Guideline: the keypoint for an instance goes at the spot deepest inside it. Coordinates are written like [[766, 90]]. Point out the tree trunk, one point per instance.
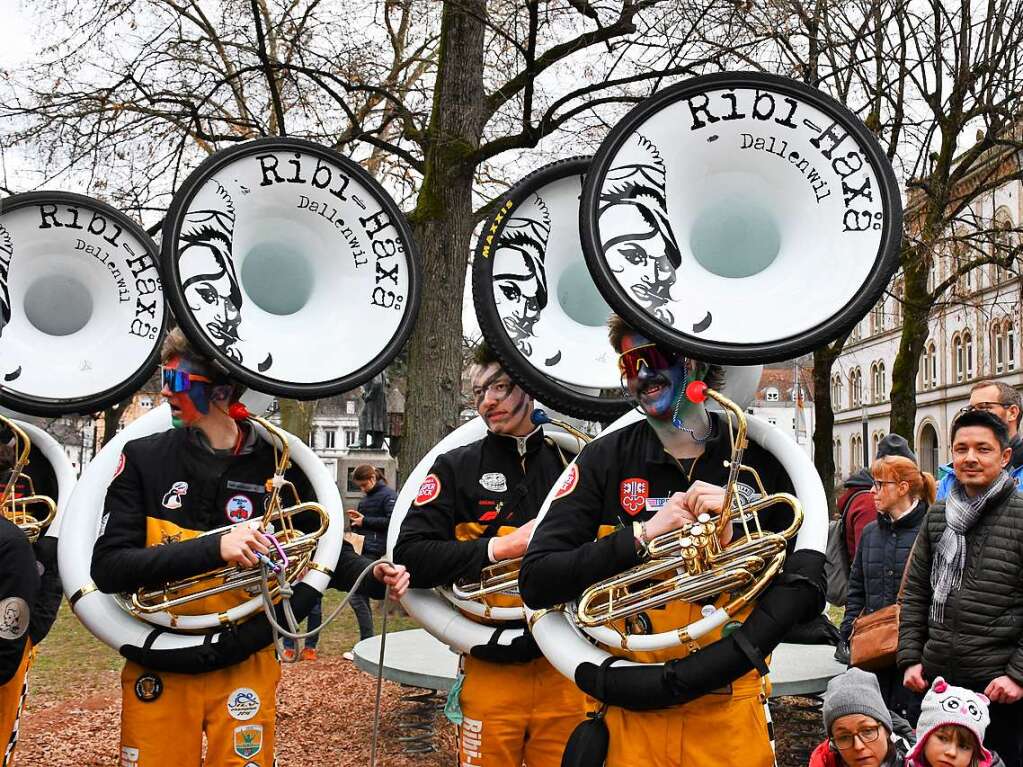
[[297, 417], [443, 223], [916, 310], [112, 419], [824, 417]]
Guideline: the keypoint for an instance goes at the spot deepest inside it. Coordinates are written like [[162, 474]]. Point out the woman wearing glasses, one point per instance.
[[902, 494], [861, 730]]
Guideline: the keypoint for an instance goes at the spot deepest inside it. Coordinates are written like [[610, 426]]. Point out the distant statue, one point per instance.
[[373, 418]]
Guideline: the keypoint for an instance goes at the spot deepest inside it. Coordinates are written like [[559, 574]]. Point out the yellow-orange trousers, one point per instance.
[[12, 701], [515, 713], [236, 707]]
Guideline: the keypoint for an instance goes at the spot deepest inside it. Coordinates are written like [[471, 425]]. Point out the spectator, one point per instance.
[[370, 521], [1005, 402], [861, 730], [951, 729], [962, 611], [856, 504], [902, 494]]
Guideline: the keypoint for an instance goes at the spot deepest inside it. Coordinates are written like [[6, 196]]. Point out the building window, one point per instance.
[[934, 364], [350, 407], [836, 392], [897, 293], [1010, 345], [771, 394], [351, 437], [837, 454], [877, 317], [968, 353], [855, 453], [958, 361], [874, 443], [997, 348], [855, 387], [329, 437]]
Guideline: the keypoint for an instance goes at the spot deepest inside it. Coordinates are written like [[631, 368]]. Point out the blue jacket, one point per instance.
[[946, 476], [880, 560], [376, 509]]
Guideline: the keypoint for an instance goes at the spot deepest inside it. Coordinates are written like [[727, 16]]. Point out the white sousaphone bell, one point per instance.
[[737, 218]]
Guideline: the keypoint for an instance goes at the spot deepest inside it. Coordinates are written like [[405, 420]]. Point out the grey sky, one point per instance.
[[15, 33]]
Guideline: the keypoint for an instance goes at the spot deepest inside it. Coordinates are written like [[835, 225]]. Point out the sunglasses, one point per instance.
[[649, 355], [181, 380]]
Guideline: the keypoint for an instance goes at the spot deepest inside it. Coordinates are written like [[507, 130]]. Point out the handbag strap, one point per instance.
[[905, 570]]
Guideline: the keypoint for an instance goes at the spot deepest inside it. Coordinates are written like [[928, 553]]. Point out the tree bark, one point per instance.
[[824, 417], [443, 224], [917, 303], [112, 419], [297, 417]]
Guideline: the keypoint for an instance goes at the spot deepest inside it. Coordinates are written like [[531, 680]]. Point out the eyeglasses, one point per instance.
[[879, 483], [181, 380], [650, 355], [866, 735], [985, 406], [499, 388]]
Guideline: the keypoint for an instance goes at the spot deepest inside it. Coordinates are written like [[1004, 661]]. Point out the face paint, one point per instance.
[[659, 391], [504, 406], [188, 407]]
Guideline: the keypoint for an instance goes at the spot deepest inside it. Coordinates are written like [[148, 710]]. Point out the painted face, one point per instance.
[[861, 740], [949, 747], [977, 458], [505, 407], [187, 407], [657, 385], [520, 280], [638, 240]]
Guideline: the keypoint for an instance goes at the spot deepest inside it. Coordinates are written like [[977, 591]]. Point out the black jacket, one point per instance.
[[19, 589], [587, 534], [880, 561], [376, 510], [981, 637]]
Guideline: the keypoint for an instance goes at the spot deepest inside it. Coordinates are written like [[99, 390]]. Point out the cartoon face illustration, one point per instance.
[[637, 238], [208, 277], [520, 280], [6, 251], [172, 498]]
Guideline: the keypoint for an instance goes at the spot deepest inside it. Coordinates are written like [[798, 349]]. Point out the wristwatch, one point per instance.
[[640, 536]]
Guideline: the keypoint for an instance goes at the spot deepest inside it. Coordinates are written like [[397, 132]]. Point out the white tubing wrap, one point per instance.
[[431, 609], [567, 646], [101, 613]]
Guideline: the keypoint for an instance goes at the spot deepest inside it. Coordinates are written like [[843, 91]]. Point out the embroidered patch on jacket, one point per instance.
[[495, 482], [172, 498], [148, 687], [238, 508], [655, 504], [14, 616], [243, 703], [632, 494], [568, 482], [248, 740], [428, 491], [120, 466], [129, 756]]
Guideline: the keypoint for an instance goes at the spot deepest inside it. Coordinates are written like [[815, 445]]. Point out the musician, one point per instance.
[[30, 592], [628, 487], [168, 488], [476, 507]]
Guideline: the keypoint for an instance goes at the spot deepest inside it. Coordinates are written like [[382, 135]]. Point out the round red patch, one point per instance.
[[568, 483], [428, 491]]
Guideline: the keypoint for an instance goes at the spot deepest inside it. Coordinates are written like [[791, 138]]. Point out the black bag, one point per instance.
[[587, 745], [836, 557]]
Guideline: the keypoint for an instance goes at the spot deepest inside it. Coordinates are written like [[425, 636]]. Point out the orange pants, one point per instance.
[[12, 701], [163, 716], [516, 713], [717, 730]]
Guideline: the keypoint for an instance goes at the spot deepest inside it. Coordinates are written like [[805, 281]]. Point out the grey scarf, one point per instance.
[[961, 514]]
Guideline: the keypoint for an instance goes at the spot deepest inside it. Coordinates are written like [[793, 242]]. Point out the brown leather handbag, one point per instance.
[[875, 637]]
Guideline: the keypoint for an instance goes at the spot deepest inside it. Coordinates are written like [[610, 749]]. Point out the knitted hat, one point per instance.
[[855, 692], [893, 444], [944, 704]]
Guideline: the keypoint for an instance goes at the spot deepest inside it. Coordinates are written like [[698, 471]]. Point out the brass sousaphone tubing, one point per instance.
[[15, 508], [297, 546], [701, 567]]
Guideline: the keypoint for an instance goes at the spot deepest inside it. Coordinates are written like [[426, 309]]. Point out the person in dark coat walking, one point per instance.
[[962, 611], [902, 495], [370, 521]]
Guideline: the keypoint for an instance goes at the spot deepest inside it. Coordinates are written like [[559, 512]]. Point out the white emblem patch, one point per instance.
[[14, 615], [495, 482], [172, 498], [239, 508], [129, 756], [243, 704]]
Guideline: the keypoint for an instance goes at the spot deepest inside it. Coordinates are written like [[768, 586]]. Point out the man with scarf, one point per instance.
[[962, 612]]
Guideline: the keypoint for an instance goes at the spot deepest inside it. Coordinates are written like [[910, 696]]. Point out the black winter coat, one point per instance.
[[880, 560], [376, 510], [981, 637]]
